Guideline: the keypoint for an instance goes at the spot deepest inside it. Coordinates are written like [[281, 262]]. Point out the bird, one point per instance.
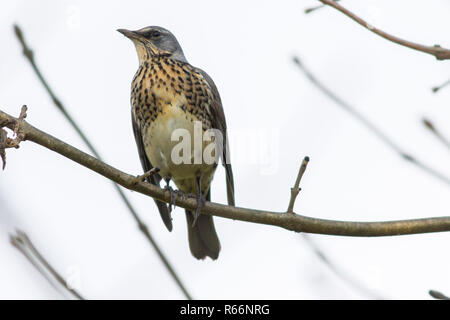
[[169, 94]]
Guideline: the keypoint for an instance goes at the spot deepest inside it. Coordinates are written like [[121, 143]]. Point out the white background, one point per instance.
[[76, 219]]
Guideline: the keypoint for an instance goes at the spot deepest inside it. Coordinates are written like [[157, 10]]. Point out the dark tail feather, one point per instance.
[[230, 184], [203, 240], [228, 171], [162, 206], [165, 214]]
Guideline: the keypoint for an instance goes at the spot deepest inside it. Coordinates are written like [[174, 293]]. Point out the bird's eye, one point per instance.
[[155, 34]]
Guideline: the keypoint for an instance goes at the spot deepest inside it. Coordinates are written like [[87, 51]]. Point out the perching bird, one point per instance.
[[168, 94]]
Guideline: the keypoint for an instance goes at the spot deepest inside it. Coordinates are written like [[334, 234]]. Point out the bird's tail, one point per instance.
[[203, 240]]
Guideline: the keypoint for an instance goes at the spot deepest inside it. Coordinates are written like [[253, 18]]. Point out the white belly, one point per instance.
[[170, 146]]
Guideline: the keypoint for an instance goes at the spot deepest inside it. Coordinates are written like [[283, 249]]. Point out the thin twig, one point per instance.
[[293, 222], [3, 137], [436, 50], [28, 53], [312, 9], [438, 295], [369, 125], [438, 134], [22, 115], [339, 272], [296, 189], [6, 142], [437, 88], [23, 243], [147, 174]]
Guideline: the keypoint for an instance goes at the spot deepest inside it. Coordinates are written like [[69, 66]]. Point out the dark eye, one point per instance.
[[155, 34]]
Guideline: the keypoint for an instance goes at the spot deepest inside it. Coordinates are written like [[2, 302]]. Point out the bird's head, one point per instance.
[[153, 42]]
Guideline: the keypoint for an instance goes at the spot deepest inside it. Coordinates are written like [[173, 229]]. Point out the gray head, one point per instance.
[[154, 41]]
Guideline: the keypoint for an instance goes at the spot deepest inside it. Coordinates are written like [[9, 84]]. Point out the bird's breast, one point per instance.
[[162, 82], [175, 143], [171, 103]]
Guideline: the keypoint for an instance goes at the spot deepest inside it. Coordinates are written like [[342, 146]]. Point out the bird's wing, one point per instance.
[[218, 122], [154, 178]]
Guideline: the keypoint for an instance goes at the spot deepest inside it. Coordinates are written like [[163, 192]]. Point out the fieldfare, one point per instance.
[[169, 98]]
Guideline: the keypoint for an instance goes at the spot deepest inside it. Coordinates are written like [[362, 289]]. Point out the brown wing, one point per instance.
[[218, 122], [155, 178]]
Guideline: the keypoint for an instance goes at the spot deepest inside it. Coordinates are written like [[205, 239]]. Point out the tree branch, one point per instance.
[[322, 256], [441, 86], [369, 125], [3, 137], [28, 53], [438, 295], [312, 9], [437, 133], [436, 50], [293, 222], [21, 241], [296, 189], [340, 273]]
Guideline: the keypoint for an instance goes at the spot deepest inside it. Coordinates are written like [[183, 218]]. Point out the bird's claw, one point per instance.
[[172, 196], [200, 203]]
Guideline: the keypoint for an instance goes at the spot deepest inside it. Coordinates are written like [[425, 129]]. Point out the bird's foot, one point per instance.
[[189, 195], [144, 176], [200, 203], [172, 196]]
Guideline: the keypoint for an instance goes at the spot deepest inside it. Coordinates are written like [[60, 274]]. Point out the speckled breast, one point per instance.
[[162, 82], [169, 95]]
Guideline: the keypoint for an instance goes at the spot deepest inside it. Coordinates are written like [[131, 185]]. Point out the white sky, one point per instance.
[[77, 220]]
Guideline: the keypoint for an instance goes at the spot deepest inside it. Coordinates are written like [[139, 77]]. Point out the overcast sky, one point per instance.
[[275, 116]]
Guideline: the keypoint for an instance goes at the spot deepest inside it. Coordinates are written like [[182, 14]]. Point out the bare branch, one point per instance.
[[438, 134], [437, 88], [341, 274], [312, 9], [293, 222], [147, 174], [6, 142], [296, 189], [438, 295], [28, 53], [436, 50], [322, 256], [21, 241], [3, 137], [369, 125]]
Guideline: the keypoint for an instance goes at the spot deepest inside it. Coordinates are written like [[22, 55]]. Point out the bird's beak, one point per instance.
[[132, 35]]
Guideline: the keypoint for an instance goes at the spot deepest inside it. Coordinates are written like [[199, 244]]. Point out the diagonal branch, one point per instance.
[[340, 273], [369, 125], [312, 9], [21, 241], [321, 255], [293, 222], [436, 50], [437, 133], [441, 86], [28, 53], [438, 295]]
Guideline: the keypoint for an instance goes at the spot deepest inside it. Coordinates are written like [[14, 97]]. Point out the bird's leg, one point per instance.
[[200, 201], [144, 176], [172, 194]]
